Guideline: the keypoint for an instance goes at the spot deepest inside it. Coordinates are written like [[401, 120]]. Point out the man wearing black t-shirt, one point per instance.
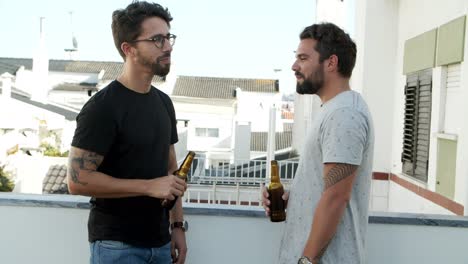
[[123, 154]]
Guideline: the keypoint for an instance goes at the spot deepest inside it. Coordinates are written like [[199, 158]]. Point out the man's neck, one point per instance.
[[333, 88], [137, 80]]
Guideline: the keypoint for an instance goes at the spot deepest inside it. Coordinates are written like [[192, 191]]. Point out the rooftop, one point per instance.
[[221, 88], [111, 69]]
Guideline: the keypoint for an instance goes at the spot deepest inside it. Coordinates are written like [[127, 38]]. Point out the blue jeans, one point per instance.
[[116, 252]]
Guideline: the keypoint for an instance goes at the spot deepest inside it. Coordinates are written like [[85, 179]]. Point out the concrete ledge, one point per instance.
[[82, 202]]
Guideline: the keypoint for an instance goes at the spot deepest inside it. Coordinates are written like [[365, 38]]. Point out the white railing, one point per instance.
[[222, 194], [242, 172], [235, 184]]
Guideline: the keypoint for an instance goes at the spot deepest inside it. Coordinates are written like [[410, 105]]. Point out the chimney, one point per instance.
[[40, 68]]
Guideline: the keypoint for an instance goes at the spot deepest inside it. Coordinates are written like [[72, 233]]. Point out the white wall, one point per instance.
[[430, 15], [222, 123], [205, 116], [50, 235], [55, 235], [379, 196], [409, 244], [404, 201], [376, 42]]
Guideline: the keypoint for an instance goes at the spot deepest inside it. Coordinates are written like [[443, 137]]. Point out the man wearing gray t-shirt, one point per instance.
[[327, 209]]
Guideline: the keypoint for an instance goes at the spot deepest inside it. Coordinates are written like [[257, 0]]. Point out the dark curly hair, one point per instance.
[[126, 23], [333, 40]]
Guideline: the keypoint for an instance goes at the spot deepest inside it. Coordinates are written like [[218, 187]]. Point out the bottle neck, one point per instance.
[[185, 166], [275, 178]]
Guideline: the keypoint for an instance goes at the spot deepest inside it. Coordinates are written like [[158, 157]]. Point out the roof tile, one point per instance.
[[221, 88]]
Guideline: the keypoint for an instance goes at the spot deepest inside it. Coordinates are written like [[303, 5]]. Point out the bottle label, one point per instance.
[[277, 208]]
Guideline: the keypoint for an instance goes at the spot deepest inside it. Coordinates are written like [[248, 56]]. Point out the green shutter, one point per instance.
[[420, 52], [446, 167], [451, 42]]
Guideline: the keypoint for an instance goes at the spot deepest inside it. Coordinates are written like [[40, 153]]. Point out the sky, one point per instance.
[[217, 38]]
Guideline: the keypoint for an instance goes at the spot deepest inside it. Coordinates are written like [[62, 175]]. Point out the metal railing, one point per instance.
[[237, 183]]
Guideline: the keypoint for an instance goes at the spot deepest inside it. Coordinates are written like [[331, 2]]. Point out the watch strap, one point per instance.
[[178, 225]]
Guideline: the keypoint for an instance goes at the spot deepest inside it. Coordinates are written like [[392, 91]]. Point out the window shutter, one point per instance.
[[417, 124]]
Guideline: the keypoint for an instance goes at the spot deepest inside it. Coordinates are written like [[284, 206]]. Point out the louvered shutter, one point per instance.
[[417, 124]]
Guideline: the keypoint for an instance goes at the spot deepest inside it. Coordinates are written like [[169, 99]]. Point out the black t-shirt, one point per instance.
[[133, 132]]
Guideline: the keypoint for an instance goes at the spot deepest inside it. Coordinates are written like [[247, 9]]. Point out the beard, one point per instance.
[[311, 84], [157, 68], [160, 70]]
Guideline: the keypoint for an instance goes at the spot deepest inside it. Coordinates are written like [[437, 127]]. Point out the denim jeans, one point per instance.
[[116, 252]]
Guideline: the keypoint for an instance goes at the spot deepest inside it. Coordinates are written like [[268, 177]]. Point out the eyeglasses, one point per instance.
[[160, 40]]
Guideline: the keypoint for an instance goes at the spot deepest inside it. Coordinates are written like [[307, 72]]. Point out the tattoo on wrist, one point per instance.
[[337, 173]]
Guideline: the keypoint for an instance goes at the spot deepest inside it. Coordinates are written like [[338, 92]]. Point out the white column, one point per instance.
[[40, 69], [439, 91], [461, 194], [271, 140]]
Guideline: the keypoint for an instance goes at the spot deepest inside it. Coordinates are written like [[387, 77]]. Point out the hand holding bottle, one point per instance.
[[167, 187], [182, 174], [266, 200], [275, 202]]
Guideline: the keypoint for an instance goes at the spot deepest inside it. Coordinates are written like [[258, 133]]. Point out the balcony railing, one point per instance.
[[234, 184], [241, 172]]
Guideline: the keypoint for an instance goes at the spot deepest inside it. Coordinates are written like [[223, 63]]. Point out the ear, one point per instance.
[[332, 63], [127, 49]]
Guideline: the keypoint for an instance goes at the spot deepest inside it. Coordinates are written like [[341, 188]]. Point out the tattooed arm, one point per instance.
[[338, 178], [84, 179]]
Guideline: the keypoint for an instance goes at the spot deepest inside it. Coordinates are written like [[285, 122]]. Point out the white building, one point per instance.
[[411, 69], [225, 117]]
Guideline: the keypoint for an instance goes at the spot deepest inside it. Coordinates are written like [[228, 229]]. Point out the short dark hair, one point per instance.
[[333, 40], [126, 23]]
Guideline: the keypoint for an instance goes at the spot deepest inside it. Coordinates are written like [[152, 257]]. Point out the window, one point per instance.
[[206, 132], [417, 124]]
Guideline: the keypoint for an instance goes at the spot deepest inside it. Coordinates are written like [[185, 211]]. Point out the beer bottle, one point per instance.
[[275, 193], [182, 173]]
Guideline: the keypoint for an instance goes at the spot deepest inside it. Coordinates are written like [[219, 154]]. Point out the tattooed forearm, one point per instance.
[[74, 168], [80, 161], [338, 173]]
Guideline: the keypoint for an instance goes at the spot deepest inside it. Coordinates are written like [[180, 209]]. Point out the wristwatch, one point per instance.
[[183, 225], [304, 260]]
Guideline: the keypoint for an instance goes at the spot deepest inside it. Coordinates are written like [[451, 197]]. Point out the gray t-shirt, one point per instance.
[[343, 133]]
